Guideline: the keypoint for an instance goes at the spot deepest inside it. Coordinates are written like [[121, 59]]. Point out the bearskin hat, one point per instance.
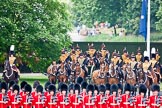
[[28, 88], [90, 87], [79, 80], [155, 87], [102, 88], [46, 85], [52, 87], [39, 88], [22, 84], [120, 86], [77, 87], [16, 87], [11, 83], [84, 85], [96, 87], [142, 88], [3, 85], [35, 84], [114, 88], [71, 87], [127, 87], [64, 87], [59, 85], [107, 86]]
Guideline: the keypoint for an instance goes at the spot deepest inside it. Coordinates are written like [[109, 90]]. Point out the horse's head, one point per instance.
[[102, 67], [7, 65]]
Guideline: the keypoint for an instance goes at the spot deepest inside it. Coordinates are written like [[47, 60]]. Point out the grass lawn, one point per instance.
[[155, 37]]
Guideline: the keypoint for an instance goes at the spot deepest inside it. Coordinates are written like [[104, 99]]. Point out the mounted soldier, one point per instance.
[[154, 64], [139, 55], [78, 51], [91, 50], [124, 55], [11, 72]]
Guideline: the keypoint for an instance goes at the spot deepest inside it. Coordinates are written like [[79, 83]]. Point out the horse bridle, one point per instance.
[[6, 71]]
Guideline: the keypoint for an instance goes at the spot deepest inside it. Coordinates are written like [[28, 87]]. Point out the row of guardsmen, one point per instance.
[[78, 95]]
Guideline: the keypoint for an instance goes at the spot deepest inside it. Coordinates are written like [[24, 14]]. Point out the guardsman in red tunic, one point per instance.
[[76, 98], [35, 84], [46, 93], [107, 94], [22, 85], [71, 92], [127, 100], [9, 92], [113, 99], [27, 97], [63, 99], [120, 91], [3, 95], [52, 100], [155, 101], [39, 99], [89, 100], [83, 93], [15, 99], [101, 98], [59, 89], [96, 91], [141, 100]]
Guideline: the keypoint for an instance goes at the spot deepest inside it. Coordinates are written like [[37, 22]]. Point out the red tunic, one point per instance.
[[75, 102], [14, 103], [2, 103], [83, 94], [25, 102], [37, 102], [33, 94], [100, 103], [140, 103], [46, 93], [125, 103], [107, 101], [50, 102], [88, 102], [61, 101], [153, 102], [22, 93], [112, 102]]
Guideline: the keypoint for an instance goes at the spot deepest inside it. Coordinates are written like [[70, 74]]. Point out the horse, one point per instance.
[[52, 71], [62, 73], [10, 73], [79, 72], [130, 76], [99, 76], [113, 77]]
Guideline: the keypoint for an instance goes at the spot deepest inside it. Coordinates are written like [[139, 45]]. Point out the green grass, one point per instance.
[[155, 37]]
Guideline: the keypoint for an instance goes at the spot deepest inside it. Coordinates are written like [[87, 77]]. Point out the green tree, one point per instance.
[[37, 28], [159, 16]]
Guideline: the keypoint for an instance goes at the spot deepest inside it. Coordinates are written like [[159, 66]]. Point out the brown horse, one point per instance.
[[79, 72], [62, 77], [99, 76], [113, 77], [130, 76], [51, 72]]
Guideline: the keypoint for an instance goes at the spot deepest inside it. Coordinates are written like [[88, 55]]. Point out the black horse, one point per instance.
[[9, 73]]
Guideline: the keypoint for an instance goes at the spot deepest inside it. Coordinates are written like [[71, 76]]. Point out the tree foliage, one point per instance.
[[37, 28], [125, 13], [159, 17]]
